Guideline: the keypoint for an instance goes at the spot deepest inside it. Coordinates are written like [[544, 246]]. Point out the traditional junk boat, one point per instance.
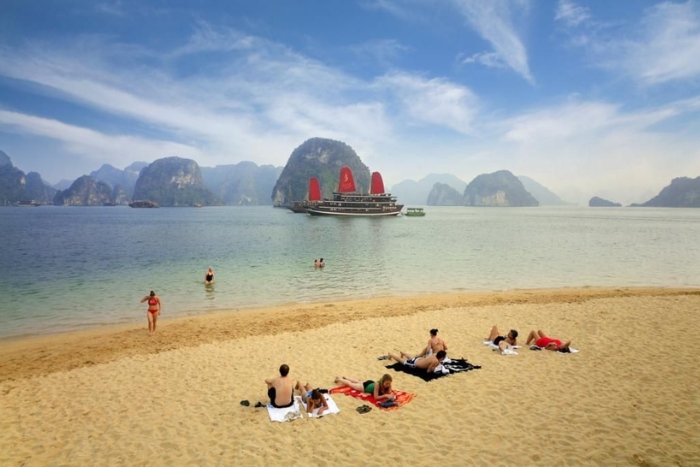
[[346, 202], [314, 196]]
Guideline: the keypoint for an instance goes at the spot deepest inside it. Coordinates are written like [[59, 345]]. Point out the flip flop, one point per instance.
[[259, 404], [245, 403], [383, 357], [363, 409]]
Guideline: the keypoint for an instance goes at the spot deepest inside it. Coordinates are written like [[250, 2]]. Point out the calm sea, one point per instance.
[[70, 268]]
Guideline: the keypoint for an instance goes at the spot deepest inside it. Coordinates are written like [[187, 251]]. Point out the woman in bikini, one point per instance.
[[548, 343], [509, 339], [153, 311], [381, 390]]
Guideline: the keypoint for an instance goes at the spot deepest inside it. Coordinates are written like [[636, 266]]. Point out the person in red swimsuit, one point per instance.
[[548, 343], [153, 311]]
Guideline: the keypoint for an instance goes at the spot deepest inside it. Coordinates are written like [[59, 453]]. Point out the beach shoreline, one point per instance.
[[118, 396]]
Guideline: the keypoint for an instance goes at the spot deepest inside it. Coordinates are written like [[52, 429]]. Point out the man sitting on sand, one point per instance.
[[281, 390], [422, 363], [435, 344]]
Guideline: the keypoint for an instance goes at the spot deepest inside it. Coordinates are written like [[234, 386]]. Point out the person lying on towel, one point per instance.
[[281, 389], [381, 390], [548, 343], [422, 363], [312, 398]]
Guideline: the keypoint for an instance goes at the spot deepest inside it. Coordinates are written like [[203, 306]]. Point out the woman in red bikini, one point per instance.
[[547, 343], [153, 311]]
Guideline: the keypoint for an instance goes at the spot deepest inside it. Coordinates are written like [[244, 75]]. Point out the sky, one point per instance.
[[589, 98]]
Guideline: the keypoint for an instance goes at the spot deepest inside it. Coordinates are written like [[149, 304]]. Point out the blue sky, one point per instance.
[[589, 98]]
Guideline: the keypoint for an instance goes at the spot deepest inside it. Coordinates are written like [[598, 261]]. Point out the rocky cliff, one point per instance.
[[321, 158], [499, 189], [597, 202], [16, 187], [683, 192], [85, 191], [444, 195], [174, 181], [242, 184]]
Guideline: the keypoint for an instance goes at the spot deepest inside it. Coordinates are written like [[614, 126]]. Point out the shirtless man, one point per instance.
[[423, 363], [281, 389], [435, 344]]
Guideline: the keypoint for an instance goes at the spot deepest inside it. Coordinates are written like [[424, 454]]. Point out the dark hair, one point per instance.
[[441, 354], [433, 332], [564, 350], [153, 294], [321, 260], [514, 333], [284, 369], [316, 395]]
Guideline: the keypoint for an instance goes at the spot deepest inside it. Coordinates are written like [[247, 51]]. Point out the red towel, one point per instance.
[[400, 397]]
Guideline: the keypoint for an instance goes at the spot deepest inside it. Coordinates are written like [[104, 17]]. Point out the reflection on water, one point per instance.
[[60, 262]]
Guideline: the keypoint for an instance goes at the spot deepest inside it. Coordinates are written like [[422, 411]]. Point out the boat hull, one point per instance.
[[346, 213]]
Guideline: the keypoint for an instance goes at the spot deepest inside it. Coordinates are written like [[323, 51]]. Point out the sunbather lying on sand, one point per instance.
[[503, 341], [547, 343], [381, 390], [424, 363]]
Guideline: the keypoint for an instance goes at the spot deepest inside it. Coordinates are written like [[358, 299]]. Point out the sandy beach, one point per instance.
[[115, 396]]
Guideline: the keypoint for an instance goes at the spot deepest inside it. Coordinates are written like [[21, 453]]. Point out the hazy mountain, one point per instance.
[[16, 187], [244, 183], [321, 158], [500, 189], [683, 192], [38, 190], [541, 193], [85, 191], [412, 192], [63, 184], [115, 177], [174, 181], [597, 202], [444, 195]]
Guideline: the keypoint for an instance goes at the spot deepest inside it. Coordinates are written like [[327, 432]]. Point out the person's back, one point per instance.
[[281, 389], [430, 363]]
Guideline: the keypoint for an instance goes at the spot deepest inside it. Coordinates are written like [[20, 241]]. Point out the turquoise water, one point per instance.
[[69, 268]]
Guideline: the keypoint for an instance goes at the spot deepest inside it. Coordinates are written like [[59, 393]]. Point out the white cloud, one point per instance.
[[489, 59], [494, 21], [571, 13], [434, 101], [384, 51]]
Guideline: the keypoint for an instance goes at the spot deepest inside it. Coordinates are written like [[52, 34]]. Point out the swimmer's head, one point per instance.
[[153, 294]]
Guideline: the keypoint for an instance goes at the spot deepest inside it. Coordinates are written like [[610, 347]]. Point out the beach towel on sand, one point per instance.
[[571, 349], [510, 350], [286, 414], [448, 367], [400, 397]]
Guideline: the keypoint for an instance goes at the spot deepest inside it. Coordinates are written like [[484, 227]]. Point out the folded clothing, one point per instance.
[[400, 398]]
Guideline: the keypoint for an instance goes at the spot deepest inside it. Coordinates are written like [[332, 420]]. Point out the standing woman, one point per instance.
[[153, 311], [209, 276]]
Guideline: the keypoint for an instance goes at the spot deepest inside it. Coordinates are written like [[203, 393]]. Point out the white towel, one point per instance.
[[571, 349], [332, 408], [286, 414], [508, 351]]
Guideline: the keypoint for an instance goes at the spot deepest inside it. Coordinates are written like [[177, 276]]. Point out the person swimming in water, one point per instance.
[[209, 276], [153, 312]]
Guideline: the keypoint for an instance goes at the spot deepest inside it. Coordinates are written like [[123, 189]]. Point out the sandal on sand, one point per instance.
[[383, 357], [245, 403], [259, 404], [363, 409]]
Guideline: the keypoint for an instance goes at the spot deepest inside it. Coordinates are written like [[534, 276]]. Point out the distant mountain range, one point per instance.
[[411, 192], [16, 187]]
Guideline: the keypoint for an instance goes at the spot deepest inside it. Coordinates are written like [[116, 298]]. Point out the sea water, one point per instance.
[[68, 268]]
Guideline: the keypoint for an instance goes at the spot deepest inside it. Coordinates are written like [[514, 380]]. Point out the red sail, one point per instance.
[[347, 182], [314, 190], [377, 184]]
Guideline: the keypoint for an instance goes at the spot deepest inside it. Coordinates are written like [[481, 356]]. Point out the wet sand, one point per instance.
[[117, 396]]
